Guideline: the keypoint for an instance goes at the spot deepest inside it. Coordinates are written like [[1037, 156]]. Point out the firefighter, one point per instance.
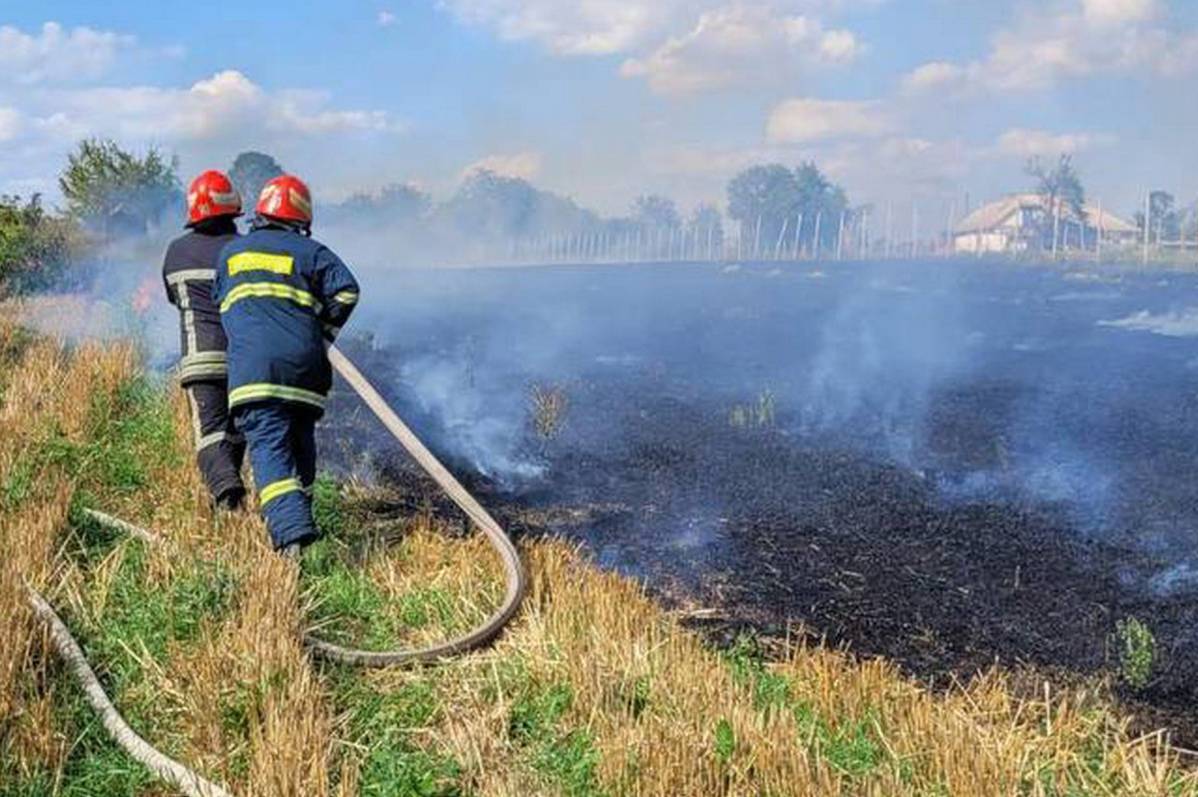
[[283, 297], [188, 270]]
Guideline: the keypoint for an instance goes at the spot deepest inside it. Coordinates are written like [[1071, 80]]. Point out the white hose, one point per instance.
[[189, 782]]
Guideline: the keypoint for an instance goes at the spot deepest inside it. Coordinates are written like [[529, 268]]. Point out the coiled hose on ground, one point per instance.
[[189, 782]]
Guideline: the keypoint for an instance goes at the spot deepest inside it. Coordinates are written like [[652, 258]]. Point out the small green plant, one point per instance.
[[725, 741], [548, 404], [1137, 652], [759, 414], [328, 506]]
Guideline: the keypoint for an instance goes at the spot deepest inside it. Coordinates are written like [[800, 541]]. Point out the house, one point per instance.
[[1012, 223]]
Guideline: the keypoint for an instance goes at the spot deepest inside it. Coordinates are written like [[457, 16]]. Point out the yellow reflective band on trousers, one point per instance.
[[262, 390], [346, 297], [278, 489], [260, 261], [269, 290]]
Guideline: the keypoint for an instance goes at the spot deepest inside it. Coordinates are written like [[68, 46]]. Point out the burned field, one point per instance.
[[947, 465]]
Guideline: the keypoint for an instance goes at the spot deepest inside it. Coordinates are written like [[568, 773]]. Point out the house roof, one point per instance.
[[995, 214]]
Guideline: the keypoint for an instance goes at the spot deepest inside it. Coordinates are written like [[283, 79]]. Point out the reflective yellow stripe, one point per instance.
[[269, 290], [265, 390], [346, 297], [276, 489], [260, 261]]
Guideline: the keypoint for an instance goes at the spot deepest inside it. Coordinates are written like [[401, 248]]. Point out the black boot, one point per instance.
[[231, 499]]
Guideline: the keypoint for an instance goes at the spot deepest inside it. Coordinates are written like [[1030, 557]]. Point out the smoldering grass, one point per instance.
[[593, 690], [761, 413], [548, 405]]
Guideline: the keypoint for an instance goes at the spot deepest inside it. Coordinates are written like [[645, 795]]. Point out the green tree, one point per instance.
[[116, 192], [493, 206], [777, 196], [820, 198], [654, 211], [769, 194], [707, 223], [36, 247], [395, 204], [249, 172], [1166, 220]]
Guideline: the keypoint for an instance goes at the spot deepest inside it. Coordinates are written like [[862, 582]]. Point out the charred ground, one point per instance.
[[987, 517]]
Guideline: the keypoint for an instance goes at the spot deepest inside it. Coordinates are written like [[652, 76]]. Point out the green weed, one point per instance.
[[384, 722], [759, 414], [725, 741], [1137, 652], [328, 506], [354, 607]]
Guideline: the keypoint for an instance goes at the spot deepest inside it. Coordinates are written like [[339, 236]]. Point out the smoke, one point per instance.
[[482, 429], [1175, 324], [116, 292]]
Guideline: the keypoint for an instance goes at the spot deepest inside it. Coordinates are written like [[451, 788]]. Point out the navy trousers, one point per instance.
[[282, 443], [220, 449]]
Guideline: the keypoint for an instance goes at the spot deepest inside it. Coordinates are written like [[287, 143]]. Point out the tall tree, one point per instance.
[[1166, 220], [35, 247], [778, 196], [820, 198], [395, 204], [250, 171], [653, 211], [766, 195], [108, 188], [707, 223], [1060, 183]]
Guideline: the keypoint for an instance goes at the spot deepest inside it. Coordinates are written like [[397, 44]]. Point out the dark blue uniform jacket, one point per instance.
[[281, 296], [188, 271]]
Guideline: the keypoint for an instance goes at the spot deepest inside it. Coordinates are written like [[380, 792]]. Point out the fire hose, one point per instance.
[[191, 783]]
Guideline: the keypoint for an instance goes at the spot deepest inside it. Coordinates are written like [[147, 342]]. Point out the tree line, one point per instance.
[[111, 194]]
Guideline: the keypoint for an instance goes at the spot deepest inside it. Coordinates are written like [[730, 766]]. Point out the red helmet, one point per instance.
[[286, 198], [210, 195]]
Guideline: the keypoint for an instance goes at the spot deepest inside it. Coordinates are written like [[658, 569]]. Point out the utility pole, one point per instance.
[[889, 227], [840, 235], [815, 246], [914, 229], [949, 239], [1056, 224], [1147, 222]]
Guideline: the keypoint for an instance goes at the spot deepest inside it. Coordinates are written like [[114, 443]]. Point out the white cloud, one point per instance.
[[386, 19], [1118, 12], [933, 76], [1078, 39], [740, 43], [1025, 143], [525, 165], [840, 46], [10, 123], [805, 121], [58, 55], [226, 105], [573, 27]]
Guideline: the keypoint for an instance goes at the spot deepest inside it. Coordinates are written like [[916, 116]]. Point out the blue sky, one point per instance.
[[603, 100]]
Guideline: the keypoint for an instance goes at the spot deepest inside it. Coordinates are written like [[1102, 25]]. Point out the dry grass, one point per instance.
[[547, 410], [593, 691]]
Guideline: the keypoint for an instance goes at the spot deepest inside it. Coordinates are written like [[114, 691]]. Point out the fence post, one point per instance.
[[781, 239], [815, 245], [889, 229], [1147, 222]]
